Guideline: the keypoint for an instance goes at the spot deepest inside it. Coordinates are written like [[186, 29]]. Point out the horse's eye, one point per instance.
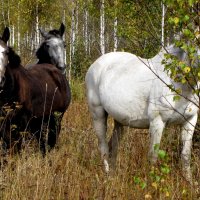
[[64, 45], [46, 46]]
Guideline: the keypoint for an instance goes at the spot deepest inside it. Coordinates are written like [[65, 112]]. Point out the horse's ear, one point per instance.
[[62, 29], [6, 35], [43, 33]]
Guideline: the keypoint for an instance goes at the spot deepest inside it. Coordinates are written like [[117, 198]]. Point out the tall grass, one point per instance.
[[73, 170]]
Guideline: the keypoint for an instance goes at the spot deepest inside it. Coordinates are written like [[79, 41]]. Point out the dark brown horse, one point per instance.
[[29, 98]]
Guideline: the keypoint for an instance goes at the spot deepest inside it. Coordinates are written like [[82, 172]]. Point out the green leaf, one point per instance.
[[137, 180], [165, 170], [176, 98], [157, 178], [143, 185], [186, 18], [191, 2], [156, 147], [161, 154]]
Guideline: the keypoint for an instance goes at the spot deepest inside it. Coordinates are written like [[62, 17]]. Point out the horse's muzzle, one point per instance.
[[62, 69]]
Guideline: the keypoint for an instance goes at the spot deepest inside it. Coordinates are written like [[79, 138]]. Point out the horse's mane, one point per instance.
[[14, 59], [42, 54]]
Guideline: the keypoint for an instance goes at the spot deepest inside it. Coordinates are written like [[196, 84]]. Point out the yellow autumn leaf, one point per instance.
[[148, 196], [154, 184], [187, 69], [176, 20], [184, 192], [197, 34], [183, 80], [162, 180], [167, 194]]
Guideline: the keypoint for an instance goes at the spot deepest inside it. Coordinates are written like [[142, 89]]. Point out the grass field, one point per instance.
[[73, 170]]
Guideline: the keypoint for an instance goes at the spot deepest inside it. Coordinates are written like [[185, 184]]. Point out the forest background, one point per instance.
[[93, 28]]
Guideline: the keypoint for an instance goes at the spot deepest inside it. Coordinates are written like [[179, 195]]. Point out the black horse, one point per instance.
[[29, 98], [52, 49]]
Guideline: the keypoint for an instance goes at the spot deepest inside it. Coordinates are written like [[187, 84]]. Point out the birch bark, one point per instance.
[[163, 25], [102, 27]]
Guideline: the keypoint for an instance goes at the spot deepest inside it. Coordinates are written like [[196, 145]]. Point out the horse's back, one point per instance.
[[53, 84], [134, 90], [120, 83]]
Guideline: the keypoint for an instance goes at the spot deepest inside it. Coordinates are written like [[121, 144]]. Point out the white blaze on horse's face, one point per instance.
[[56, 51], [3, 62]]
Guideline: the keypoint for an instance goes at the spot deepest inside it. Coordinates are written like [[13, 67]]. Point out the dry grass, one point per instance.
[[73, 170]]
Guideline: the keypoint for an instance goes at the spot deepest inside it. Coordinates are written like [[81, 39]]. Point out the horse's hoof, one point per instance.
[[106, 165]]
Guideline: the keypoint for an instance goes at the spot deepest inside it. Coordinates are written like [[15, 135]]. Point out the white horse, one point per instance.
[[134, 92]]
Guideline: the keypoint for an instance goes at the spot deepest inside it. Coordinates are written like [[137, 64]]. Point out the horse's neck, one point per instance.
[[9, 93], [187, 89], [43, 56], [19, 76], [44, 60]]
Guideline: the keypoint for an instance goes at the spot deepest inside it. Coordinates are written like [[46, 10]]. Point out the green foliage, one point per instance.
[[77, 89], [140, 182], [81, 61], [138, 30], [184, 20], [158, 177]]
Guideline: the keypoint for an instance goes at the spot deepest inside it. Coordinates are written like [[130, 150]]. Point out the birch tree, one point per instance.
[[72, 37], [163, 25], [85, 29], [115, 26], [102, 26], [37, 35]]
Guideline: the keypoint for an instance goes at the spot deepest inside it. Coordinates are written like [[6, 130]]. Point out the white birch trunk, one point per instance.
[[163, 25], [8, 11], [85, 30], [18, 31], [76, 21], [72, 41], [102, 27], [37, 35], [2, 12], [32, 42], [115, 34], [64, 36], [13, 35]]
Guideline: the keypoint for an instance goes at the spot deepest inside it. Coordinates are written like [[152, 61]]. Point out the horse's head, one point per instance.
[[3, 54], [53, 48], [183, 55], [182, 51]]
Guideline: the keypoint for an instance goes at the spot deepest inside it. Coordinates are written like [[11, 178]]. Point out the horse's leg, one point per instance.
[[114, 142], [37, 128], [187, 134], [4, 136], [100, 126], [156, 128], [52, 134], [12, 139]]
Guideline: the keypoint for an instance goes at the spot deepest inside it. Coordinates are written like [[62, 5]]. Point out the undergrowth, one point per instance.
[[73, 170]]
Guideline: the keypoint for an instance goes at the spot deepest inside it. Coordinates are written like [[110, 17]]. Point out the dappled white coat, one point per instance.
[[134, 92]]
